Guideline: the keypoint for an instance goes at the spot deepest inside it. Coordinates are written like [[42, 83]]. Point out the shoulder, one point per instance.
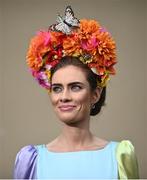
[[125, 146], [25, 162], [125, 150], [27, 151], [127, 160]]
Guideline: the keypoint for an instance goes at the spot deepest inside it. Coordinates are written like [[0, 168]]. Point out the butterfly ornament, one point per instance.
[[67, 23]]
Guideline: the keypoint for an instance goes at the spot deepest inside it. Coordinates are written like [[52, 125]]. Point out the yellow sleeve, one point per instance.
[[127, 161]]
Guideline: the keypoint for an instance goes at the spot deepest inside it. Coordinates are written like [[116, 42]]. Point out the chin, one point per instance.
[[68, 118]]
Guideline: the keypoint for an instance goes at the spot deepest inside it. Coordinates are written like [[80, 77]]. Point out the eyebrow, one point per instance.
[[70, 84]]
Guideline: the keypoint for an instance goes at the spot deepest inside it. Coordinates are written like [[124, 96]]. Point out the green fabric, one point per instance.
[[127, 161]]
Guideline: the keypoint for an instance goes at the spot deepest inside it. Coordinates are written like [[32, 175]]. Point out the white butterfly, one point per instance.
[[67, 23]]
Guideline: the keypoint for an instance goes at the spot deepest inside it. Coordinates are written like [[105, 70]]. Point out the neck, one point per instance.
[[74, 137]]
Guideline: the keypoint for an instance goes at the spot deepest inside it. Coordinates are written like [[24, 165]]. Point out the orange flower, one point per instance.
[[38, 47], [71, 45], [106, 47], [56, 38], [88, 28]]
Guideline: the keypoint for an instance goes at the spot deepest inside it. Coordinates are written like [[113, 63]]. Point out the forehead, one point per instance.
[[69, 74]]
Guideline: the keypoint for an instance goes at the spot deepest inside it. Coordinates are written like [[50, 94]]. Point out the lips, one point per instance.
[[66, 107]]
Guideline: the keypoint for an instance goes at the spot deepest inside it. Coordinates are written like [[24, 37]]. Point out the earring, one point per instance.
[[93, 106]]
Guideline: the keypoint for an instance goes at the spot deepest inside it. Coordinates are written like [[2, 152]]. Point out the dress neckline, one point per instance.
[[76, 152]]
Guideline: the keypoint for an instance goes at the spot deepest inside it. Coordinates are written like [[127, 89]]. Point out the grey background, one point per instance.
[[26, 116]]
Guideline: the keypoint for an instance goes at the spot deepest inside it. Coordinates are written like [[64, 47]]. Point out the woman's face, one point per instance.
[[71, 95]]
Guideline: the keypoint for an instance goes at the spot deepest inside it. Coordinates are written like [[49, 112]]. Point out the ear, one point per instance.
[[96, 94]]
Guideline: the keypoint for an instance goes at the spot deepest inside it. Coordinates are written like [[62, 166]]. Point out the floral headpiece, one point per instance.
[[84, 39]]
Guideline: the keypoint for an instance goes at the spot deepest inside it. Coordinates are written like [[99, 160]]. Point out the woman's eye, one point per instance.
[[56, 89], [76, 88]]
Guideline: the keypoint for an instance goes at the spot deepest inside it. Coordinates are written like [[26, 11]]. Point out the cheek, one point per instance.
[[53, 99], [84, 105], [83, 99]]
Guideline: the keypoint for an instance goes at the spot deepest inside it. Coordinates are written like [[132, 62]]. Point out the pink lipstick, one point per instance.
[[66, 107]]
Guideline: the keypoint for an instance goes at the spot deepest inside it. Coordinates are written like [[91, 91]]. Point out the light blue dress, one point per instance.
[[117, 160], [93, 164]]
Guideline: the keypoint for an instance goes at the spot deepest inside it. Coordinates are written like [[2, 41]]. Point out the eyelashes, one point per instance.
[[73, 88], [56, 89], [76, 88]]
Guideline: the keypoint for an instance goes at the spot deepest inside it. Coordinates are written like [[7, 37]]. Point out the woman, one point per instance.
[[73, 61]]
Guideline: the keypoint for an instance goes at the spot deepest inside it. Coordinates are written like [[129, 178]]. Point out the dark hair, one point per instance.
[[91, 78]]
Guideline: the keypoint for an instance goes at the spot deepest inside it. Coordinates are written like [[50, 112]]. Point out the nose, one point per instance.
[[65, 96]]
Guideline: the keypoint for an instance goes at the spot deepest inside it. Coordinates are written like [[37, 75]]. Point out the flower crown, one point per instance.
[[84, 39]]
